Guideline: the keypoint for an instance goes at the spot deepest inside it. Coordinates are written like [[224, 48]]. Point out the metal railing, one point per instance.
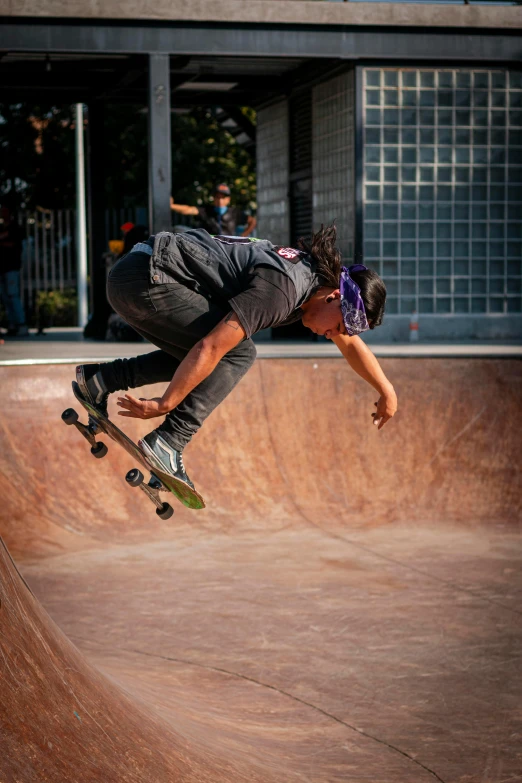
[[49, 251], [114, 218]]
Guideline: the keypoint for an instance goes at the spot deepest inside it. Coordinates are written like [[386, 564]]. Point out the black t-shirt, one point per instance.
[[269, 300], [264, 284], [224, 224], [10, 248]]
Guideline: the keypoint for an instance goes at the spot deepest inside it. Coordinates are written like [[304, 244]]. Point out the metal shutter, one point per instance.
[[300, 165], [300, 189]]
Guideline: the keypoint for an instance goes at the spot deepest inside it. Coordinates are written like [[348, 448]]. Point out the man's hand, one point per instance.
[[197, 365], [386, 408], [142, 408]]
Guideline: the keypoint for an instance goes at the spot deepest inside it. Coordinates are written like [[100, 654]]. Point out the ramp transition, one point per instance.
[[344, 609]]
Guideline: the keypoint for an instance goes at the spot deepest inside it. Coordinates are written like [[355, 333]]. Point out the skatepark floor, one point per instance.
[[346, 608]]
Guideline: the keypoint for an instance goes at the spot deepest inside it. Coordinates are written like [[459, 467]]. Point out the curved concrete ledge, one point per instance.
[[35, 354], [346, 608], [285, 12]]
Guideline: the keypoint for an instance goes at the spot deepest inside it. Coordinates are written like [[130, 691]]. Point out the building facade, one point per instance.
[[421, 167], [400, 121]]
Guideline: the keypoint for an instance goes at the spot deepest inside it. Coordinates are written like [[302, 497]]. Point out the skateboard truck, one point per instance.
[[98, 424], [98, 449], [134, 477]]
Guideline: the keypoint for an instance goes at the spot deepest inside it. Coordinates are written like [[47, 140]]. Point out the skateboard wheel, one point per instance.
[[69, 416], [134, 477], [99, 451], [165, 512]]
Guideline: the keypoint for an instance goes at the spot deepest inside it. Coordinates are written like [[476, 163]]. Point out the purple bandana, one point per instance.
[[352, 305]]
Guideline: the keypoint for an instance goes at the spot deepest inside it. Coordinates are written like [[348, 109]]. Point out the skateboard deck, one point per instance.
[[159, 481]]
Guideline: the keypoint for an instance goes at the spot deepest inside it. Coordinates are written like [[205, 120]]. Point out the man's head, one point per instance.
[[351, 301], [322, 313], [221, 196]]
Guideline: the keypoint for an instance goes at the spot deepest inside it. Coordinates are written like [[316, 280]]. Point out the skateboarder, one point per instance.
[[200, 298]]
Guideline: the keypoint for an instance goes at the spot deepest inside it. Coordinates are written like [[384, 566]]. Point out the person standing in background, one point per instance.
[[219, 217], [10, 265]]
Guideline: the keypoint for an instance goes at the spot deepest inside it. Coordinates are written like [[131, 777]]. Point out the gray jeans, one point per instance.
[[174, 318]]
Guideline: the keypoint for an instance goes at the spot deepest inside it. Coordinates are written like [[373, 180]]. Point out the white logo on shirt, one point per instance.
[[288, 252]]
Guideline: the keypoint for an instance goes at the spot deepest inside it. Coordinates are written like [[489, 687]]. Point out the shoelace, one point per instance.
[[182, 466]]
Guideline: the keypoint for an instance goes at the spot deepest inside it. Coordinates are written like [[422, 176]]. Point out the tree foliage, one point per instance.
[[37, 156], [204, 155], [125, 156]]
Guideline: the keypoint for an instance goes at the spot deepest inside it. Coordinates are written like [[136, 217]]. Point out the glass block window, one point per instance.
[[442, 188]]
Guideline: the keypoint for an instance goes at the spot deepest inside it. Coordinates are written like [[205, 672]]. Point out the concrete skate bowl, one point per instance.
[[346, 608]]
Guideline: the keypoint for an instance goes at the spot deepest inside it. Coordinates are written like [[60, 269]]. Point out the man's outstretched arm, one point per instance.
[[183, 209], [364, 363], [195, 367]]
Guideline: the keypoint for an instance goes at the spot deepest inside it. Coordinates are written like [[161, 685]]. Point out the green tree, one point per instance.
[[204, 154], [37, 156], [126, 156], [17, 151]]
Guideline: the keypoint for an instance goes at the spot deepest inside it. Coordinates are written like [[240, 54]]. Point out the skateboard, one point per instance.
[[158, 482]]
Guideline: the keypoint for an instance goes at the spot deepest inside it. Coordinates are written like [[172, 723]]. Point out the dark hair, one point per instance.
[[373, 293], [327, 257]]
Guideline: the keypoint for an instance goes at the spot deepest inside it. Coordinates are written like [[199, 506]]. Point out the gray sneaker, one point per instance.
[[92, 386], [164, 457]]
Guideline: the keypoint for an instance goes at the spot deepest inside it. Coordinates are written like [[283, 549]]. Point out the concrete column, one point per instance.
[[160, 166]]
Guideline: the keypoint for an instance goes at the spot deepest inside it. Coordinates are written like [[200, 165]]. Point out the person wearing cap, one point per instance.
[[219, 217], [199, 299]]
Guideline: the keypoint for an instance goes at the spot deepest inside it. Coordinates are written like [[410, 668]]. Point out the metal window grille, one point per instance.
[[333, 158], [272, 151], [300, 115]]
